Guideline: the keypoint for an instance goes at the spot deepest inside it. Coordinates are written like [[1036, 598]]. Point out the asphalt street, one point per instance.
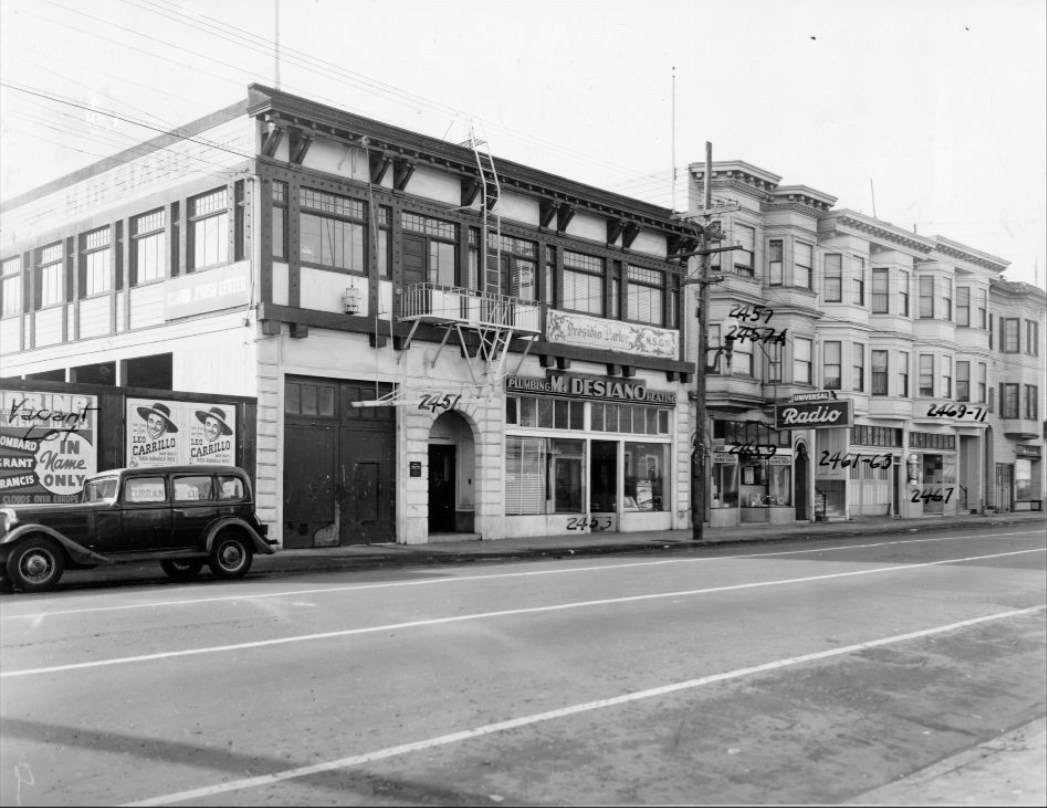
[[883, 668]]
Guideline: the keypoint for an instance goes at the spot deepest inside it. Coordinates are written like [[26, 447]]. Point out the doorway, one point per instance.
[[800, 485], [441, 488]]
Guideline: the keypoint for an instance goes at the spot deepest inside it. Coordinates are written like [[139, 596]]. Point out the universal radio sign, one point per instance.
[[813, 415]]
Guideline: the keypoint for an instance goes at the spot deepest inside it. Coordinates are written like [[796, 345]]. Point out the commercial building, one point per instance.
[[402, 338], [861, 369]]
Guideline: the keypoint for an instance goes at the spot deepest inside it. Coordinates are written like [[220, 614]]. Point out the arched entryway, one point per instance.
[[800, 486], [452, 475]]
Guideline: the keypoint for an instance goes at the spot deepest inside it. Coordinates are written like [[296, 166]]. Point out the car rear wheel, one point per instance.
[[231, 555], [35, 565], [179, 570]]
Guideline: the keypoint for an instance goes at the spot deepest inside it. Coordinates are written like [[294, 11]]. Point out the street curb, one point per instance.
[[432, 555]]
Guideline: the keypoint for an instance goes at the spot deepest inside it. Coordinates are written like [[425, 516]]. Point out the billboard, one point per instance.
[[163, 433], [48, 445]]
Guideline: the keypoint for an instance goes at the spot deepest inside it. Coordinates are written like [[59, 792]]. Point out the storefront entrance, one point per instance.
[[800, 485], [339, 481], [441, 488]]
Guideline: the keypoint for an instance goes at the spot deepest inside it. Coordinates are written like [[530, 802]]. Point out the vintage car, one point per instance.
[[181, 516]]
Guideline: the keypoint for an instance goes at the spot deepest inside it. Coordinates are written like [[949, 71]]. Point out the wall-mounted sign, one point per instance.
[[592, 387], [594, 332], [416, 468], [820, 395], [821, 415], [724, 457], [223, 288], [1026, 451], [48, 445], [179, 432]]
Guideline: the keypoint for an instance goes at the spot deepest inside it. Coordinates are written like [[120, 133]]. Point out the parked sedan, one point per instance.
[[181, 516]]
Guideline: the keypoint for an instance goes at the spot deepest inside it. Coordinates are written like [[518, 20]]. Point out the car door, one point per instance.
[[194, 507], [145, 513]]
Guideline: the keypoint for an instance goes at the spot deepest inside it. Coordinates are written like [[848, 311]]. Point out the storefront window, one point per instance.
[[645, 468], [754, 484], [1023, 480], [725, 485], [543, 475], [780, 485]]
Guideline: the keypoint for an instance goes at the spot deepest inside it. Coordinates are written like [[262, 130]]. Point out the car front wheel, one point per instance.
[[231, 556], [182, 570], [35, 565]]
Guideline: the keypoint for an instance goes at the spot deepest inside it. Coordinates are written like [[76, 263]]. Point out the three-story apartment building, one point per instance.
[[853, 366]]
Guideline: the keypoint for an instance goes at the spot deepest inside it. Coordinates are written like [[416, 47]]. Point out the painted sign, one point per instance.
[[595, 332], [48, 445], [592, 387], [179, 432], [821, 415], [223, 288]]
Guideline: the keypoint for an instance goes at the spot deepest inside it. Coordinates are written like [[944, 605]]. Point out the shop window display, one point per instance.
[[645, 466]]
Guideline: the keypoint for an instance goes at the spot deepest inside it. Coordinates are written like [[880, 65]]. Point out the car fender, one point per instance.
[[77, 552], [260, 544]]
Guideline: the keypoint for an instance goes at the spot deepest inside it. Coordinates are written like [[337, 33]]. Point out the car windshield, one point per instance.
[[100, 490]]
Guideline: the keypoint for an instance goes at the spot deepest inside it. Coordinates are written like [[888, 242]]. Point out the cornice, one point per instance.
[[849, 221], [802, 195], [291, 110], [960, 252]]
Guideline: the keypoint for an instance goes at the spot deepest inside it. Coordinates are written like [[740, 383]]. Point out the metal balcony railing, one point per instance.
[[434, 303]]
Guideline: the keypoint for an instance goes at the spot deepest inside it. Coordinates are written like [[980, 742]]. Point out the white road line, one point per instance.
[[206, 792], [100, 663], [37, 616]]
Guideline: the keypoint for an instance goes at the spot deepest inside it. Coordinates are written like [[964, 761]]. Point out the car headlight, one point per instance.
[[8, 520]]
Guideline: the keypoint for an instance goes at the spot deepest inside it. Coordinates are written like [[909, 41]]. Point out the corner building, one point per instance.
[[426, 340], [933, 362]]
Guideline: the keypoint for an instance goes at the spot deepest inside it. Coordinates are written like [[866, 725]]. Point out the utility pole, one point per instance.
[[707, 232]]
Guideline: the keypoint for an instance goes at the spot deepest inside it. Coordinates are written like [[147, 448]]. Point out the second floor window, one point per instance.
[[926, 380], [880, 292], [879, 373], [49, 287], [858, 367], [1009, 400], [279, 192], [963, 306], [832, 372], [1010, 341], [981, 382], [743, 261], [11, 287], [1032, 402], [859, 281], [903, 293], [980, 298], [801, 360], [926, 283], [802, 263], [333, 230], [149, 248], [963, 381], [903, 374], [209, 229], [583, 283], [832, 285], [645, 296], [96, 271], [774, 261], [946, 377], [1032, 338], [946, 298]]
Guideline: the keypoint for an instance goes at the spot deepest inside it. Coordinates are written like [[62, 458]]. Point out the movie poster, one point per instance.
[[161, 433], [48, 445]]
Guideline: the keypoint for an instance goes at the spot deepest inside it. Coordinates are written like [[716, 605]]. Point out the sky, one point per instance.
[[928, 114]]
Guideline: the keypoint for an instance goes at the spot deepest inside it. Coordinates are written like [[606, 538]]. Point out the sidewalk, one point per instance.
[[446, 549]]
